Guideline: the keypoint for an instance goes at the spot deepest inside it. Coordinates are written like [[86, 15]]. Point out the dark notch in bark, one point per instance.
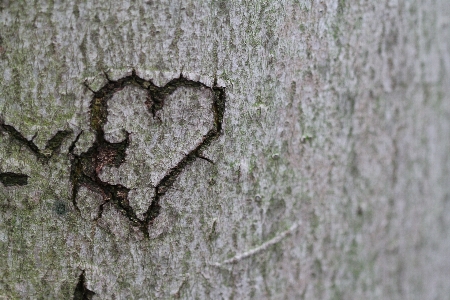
[[87, 166], [53, 145], [81, 291], [13, 179]]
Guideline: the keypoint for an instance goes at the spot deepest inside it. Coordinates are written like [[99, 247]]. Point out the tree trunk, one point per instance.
[[224, 149]]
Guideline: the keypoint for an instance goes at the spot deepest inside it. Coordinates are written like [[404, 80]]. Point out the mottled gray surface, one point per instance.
[[330, 180], [157, 143]]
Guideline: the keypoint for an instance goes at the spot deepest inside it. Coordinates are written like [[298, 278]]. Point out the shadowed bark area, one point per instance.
[[81, 291]]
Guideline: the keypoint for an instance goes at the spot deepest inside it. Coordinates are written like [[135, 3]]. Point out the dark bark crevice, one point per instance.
[[13, 179], [81, 291], [53, 145]]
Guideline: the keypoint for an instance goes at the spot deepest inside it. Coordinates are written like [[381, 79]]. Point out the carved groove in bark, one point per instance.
[[13, 179], [86, 167]]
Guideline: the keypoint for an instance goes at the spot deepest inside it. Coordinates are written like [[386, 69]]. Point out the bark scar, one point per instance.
[[86, 167], [53, 145], [13, 179], [261, 248]]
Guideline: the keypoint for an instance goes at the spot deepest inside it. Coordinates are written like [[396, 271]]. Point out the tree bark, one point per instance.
[[224, 149]]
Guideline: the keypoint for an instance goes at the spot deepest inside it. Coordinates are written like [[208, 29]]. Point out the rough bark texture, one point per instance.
[[302, 153]]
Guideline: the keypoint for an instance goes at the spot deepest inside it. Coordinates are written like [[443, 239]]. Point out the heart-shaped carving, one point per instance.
[[145, 136]]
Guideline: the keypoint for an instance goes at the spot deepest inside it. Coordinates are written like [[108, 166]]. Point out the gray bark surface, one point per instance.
[[303, 152]]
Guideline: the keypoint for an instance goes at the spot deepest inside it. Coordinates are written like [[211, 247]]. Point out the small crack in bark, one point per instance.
[[53, 145], [205, 158]]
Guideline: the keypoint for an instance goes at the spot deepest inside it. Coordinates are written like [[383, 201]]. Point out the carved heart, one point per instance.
[[145, 136]]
